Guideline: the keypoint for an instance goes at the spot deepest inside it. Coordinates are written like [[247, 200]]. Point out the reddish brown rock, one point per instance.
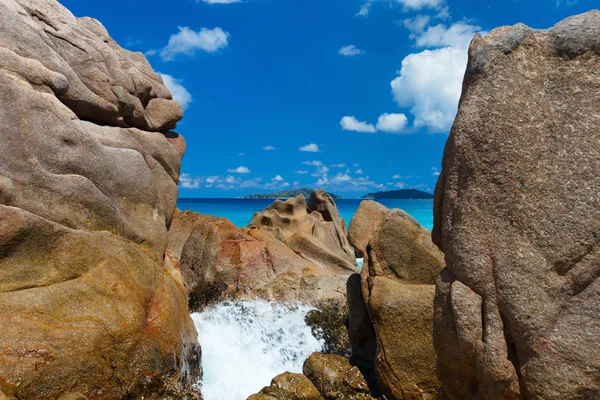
[[220, 261], [517, 214]]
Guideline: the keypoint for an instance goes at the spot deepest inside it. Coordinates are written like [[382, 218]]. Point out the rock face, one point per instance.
[[88, 303], [220, 261], [517, 213], [391, 304], [314, 230]]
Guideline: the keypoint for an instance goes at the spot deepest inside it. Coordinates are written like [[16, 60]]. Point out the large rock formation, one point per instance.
[[517, 213], [391, 305], [87, 192], [220, 261]]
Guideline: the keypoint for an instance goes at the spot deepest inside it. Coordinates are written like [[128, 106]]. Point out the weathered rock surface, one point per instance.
[[391, 307], [335, 377], [220, 261], [517, 213], [288, 386], [316, 228], [88, 303]]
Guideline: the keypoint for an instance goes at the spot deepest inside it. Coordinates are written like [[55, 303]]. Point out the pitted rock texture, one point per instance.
[[88, 302], [391, 303], [517, 213], [314, 230]]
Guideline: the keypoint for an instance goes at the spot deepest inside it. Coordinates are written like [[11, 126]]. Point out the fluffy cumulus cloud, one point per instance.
[[268, 148], [188, 42], [177, 90], [278, 178], [338, 165], [392, 123], [301, 172], [352, 124], [430, 82], [350, 50], [311, 148], [239, 170]]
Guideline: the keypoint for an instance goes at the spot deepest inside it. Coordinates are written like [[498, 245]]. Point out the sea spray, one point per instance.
[[245, 344]]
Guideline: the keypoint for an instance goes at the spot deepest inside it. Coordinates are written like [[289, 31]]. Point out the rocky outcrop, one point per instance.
[[335, 377], [220, 261], [88, 303], [391, 304], [288, 386], [314, 230], [517, 214]]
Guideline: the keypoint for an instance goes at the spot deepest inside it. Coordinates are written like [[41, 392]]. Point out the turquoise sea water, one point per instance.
[[240, 211]]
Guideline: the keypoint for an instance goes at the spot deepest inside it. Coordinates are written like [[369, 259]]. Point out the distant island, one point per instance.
[[398, 194], [286, 194]]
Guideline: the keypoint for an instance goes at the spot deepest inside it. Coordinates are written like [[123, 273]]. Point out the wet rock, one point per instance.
[[288, 386], [335, 377]]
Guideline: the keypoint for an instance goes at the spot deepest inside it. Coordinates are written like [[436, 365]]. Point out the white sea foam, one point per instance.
[[246, 344]]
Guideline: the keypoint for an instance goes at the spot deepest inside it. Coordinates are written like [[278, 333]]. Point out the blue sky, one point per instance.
[[352, 96]]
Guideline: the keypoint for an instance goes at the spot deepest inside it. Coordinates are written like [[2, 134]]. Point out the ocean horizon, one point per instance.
[[240, 211]]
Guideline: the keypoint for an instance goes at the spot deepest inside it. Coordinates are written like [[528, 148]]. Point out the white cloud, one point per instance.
[[221, 1], [436, 173], [301, 172], [430, 82], [239, 170], [352, 124], [338, 165], [364, 9], [350, 50], [278, 178], [356, 165], [416, 24], [396, 177], [359, 171], [188, 41], [312, 148], [177, 90], [314, 163], [269, 148], [458, 35], [392, 123], [321, 171], [418, 4], [188, 182]]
